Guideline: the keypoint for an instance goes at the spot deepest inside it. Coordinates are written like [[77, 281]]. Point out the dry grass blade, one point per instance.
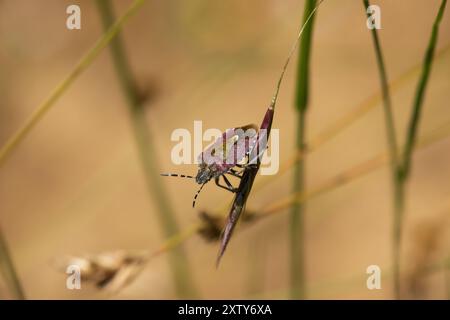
[[8, 270], [61, 88]]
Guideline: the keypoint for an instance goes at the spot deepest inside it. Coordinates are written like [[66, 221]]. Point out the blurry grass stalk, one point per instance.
[[61, 88], [257, 267], [404, 167], [6, 264], [8, 271], [178, 260], [398, 193], [400, 166], [297, 254], [447, 277]]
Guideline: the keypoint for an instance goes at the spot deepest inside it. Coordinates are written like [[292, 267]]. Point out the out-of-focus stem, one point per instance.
[[400, 166], [397, 189], [297, 265], [178, 260], [62, 87], [8, 270]]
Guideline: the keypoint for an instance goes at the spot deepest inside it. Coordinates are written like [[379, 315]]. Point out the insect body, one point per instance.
[[249, 174], [212, 164], [228, 155]]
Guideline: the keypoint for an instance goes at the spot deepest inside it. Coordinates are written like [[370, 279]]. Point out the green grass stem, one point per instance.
[[178, 261], [65, 84], [400, 164], [297, 263], [8, 270]]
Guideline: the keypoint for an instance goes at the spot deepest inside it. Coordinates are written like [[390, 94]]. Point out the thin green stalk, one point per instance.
[[398, 197], [399, 207], [297, 266], [61, 88], [447, 277], [145, 146], [404, 166], [8, 270], [387, 104], [420, 94], [400, 166]]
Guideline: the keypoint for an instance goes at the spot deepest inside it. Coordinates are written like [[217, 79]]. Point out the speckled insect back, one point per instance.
[[225, 156]]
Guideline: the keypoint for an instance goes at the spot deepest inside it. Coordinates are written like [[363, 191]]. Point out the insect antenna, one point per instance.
[[177, 175], [196, 195]]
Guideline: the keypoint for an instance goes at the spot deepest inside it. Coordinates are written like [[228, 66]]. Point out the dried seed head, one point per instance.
[[249, 216], [148, 90], [211, 226], [428, 240], [110, 271]]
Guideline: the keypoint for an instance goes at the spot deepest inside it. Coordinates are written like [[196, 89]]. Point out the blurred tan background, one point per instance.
[[75, 185]]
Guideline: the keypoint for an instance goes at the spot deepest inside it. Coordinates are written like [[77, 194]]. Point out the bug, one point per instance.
[[254, 147], [249, 174], [228, 155]]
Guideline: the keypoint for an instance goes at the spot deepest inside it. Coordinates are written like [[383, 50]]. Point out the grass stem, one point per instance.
[[420, 93], [398, 192], [400, 166], [8, 270], [61, 88], [166, 217], [297, 254]]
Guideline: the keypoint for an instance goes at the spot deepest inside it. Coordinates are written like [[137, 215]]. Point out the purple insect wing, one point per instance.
[[260, 145], [230, 148], [256, 151], [245, 143], [214, 152]]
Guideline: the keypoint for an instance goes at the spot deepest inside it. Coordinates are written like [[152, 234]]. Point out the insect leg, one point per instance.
[[228, 187], [229, 184], [247, 165], [234, 173]]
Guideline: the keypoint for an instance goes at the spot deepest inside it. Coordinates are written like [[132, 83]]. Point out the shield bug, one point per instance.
[[249, 174], [221, 158], [228, 155]]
